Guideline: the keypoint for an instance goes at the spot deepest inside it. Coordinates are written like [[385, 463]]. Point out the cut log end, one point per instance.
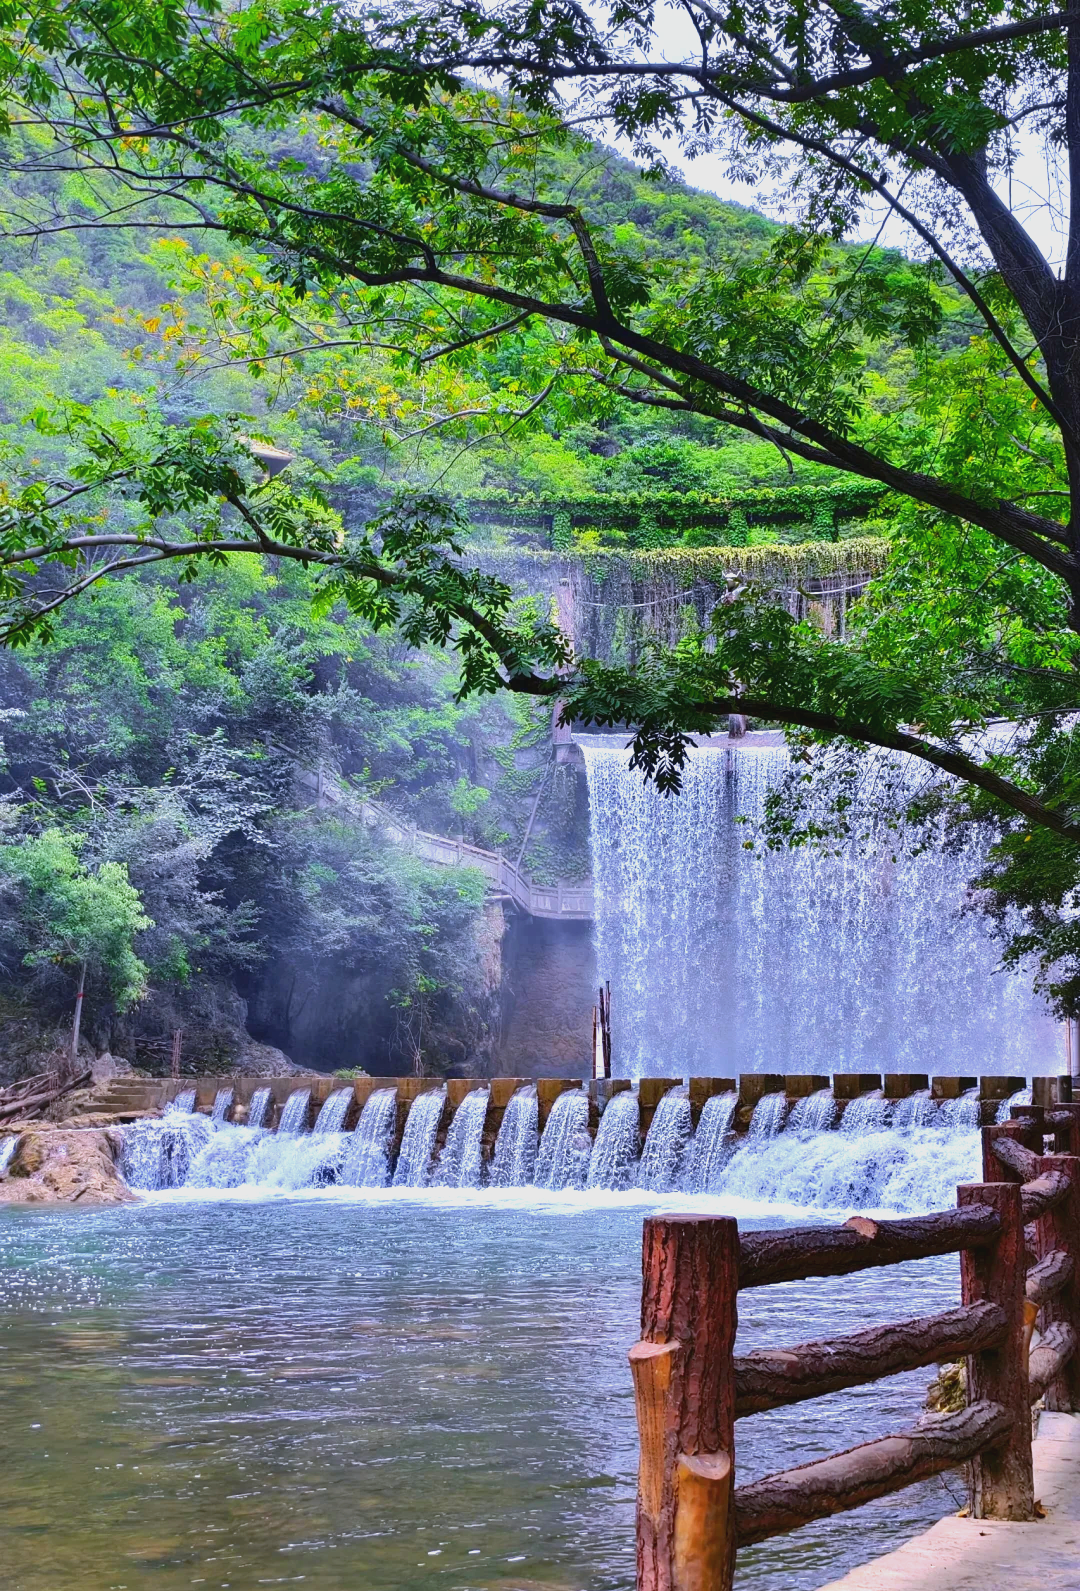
[[701, 1559]]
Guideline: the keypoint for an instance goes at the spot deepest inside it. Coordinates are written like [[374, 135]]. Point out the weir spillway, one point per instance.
[[901, 1145]]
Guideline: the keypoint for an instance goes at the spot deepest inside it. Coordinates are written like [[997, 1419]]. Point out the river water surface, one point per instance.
[[380, 1392]]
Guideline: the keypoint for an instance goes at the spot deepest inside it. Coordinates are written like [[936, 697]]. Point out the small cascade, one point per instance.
[[615, 1153], [419, 1139], [815, 1113], [294, 1118], [868, 1113], [714, 1143], [223, 1101], [666, 1142], [184, 1103], [259, 1108], [459, 1164], [917, 1110], [563, 1158], [367, 1158], [962, 1112], [331, 1117], [514, 1160], [768, 1117], [8, 1146], [293, 1160], [1004, 1110], [226, 1159], [159, 1152]]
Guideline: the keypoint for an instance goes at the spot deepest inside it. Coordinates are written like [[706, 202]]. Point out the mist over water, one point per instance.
[[722, 961]]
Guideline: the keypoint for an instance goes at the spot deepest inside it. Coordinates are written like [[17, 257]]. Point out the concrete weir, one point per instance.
[[985, 1096]]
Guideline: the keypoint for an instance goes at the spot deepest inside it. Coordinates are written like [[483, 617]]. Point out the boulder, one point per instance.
[[66, 1165]]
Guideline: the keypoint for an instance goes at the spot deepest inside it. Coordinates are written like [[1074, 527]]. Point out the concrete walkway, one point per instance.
[[983, 1555]]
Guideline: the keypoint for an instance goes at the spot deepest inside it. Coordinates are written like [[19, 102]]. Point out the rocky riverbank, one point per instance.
[[55, 1165]]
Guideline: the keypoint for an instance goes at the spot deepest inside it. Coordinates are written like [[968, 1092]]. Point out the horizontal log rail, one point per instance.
[[1018, 1237], [861, 1244], [1047, 1277], [1047, 1190], [769, 1378], [795, 1497], [1046, 1362]]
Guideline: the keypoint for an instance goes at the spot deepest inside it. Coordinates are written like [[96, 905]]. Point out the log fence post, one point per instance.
[[684, 1390], [1058, 1229], [1002, 1485]]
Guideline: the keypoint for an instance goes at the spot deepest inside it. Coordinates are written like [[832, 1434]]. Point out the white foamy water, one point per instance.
[[514, 1161], [783, 1168], [8, 1146]]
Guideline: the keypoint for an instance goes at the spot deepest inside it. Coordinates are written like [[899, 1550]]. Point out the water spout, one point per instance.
[[259, 1107], [223, 1100], [714, 1143], [768, 1117], [868, 1113], [666, 1142], [514, 1160], [331, 1117], [8, 1146], [367, 1159], [815, 1113], [563, 1159], [618, 1142], [294, 1118], [459, 1164], [419, 1139]]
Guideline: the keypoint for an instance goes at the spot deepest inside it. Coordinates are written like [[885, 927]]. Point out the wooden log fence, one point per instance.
[[1018, 1237]]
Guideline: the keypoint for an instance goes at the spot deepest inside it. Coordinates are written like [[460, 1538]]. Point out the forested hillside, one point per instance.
[[152, 747]]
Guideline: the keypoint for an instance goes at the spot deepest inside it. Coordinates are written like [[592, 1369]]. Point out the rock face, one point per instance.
[[65, 1166]]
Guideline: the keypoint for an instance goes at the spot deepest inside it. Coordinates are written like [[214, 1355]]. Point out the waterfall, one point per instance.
[[768, 1117], [294, 1118], [666, 1142], [1004, 1110], [331, 1117], [514, 1160], [367, 1158], [563, 1158], [714, 1142], [419, 1139], [8, 1146], [722, 960], [222, 1104], [917, 1110], [867, 1113], [185, 1103], [259, 1107], [618, 1143], [459, 1164], [815, 1113], [226, 1159]]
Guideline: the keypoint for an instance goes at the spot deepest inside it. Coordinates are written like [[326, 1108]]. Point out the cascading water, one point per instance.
[[418, 1140], [331, 1117], [815, 1113], [962, 1112], [867, 1113], [259, 1107], [723, 960], [160, 1153], [8, 1146], [563, 1158], [666, 1142], [460, 1163], [184, 1103], [294, 1118], [917, 1110], [714, 1143], [367, 1158], [768, 1118], [1004, 1110], [514, 1160], [618, 1142], [223, 1100]]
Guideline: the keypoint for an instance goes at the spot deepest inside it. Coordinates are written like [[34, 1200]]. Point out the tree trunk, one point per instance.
[[78, 1018]]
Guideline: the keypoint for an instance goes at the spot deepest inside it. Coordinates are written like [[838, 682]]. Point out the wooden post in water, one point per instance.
[[684, 1389], [1001, 1479]]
